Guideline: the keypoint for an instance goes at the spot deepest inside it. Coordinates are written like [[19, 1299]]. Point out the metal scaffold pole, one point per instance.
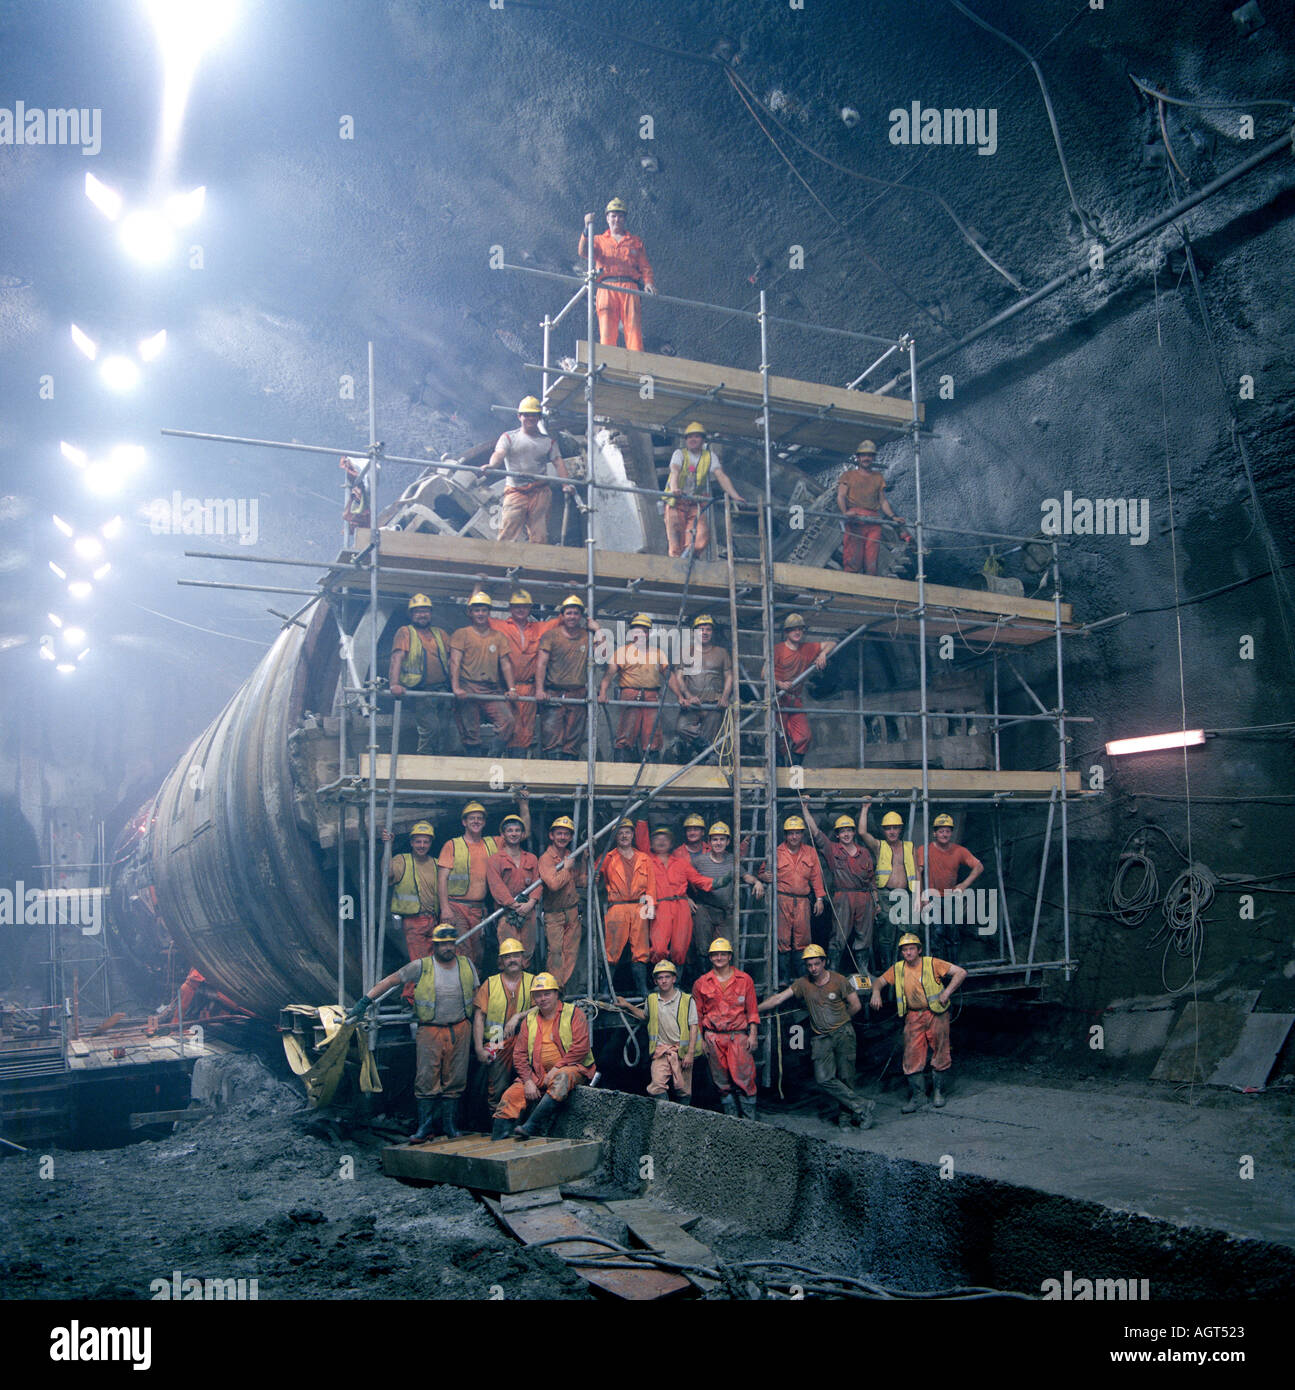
[[373, 952], [924, 705], [1063, 760], [591, 719], [771, 718]]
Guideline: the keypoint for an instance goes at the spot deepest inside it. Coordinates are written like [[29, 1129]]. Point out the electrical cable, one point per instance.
[[1241, 104], [211, 631], [1132, 908]]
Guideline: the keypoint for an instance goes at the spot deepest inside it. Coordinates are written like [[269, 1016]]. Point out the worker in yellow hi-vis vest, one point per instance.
[[461, 875], [688, 492], [498, 1008], [414, 897], [671, 1018], [551, 1056], [420, 662], [922, 1001]]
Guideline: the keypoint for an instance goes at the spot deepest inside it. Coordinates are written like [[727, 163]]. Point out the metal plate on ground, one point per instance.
[[661, 1231], [547, 1222], [1250, 1062], [503, 1165], [1202, 1037]]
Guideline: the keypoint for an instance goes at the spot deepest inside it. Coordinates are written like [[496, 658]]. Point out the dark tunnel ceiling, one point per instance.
[[476, 127]]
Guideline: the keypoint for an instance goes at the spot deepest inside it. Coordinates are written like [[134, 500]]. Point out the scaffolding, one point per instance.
[[377, 563]]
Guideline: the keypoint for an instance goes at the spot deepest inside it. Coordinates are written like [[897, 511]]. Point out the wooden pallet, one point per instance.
[[486, 1165]]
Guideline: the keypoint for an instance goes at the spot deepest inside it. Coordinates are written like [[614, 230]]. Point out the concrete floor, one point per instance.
[[1124, 1150]]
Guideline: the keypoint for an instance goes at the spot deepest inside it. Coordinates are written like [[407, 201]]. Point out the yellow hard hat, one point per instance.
[[695, 428], [641, 620], [664, 967], [866, 446], [423, 827], [843, 823], [521, 596], [663, 830], [480, 596], [702, 620], [564, 823], [511, 947], [892, 818], [693, 819], [572, 599], [813, 953], [419, 601], [793, 823], [624, 823], [942, 820], [908, 939], [793, 620], [721, 943], [470, 807], [447, 931], [616, 205], [544, 981], [513, 819], [720, 828], [530, 406]]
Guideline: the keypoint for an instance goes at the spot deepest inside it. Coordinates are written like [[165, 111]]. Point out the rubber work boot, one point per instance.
[[427, 1122], [729, 1102], [917, 1094], [683, 1100], [538, 1120], [749, 1108], [845, 1119], [500, 1129], [938, 1078], [639, 971], [448, 1127], [863, 1116]]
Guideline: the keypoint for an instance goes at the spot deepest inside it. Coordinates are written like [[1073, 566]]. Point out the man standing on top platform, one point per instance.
[[860, 493], [688, 493], [526, 456], [522, 633], [620, 260], [480, 666], [792, 657]]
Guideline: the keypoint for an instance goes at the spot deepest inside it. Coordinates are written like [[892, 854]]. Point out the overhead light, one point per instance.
[[62, 574], [106, 199], [183, 208], [151, 348], [85, 343], [72, 453], [81, 656], [62, 525], [110, 530], [80, 588], [128, 456], [74, 636], [88, 547], [47, 652], [1184, 738], [119, 373], [55, 619], [102, 571], [66, 667], [146, 236], [186, 29]]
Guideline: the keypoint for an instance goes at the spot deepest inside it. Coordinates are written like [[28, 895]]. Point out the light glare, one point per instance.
[[80, 588], [84, 343], [55, 619], [106, 199], [62, 574], [74, 636], [184, 208], [72, 453], [110, 530], [88, 547], [146, 236], [1184, 738], [151, 348], [119, 373], [102, 571], [62, 525], [66, 667]]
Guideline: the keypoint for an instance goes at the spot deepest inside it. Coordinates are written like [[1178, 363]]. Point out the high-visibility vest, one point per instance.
[[405, 901], [425, 989], [883, 865], [930, 986], [697, 478], [460, 879], [497, 1004], [653, 1014], [414, 666], [564, 1032]]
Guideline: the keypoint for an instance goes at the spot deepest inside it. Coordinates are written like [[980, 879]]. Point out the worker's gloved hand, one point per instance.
[[357, 1010]]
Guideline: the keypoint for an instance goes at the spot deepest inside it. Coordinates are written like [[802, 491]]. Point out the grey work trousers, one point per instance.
[[833, 1056]]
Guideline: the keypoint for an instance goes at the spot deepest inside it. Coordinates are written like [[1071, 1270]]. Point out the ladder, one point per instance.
[[755, 804]]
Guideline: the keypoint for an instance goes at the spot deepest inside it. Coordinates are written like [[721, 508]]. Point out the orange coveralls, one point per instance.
[[725, 1012], [800, 878], [555, 1072], [672, 925], [642, 675], [624, 261], [506, 878], [788, 663], [624, 920], [561, 904], [524, 649]]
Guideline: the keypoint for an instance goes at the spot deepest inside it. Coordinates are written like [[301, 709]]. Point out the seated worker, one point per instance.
[[688, 493], [670, 1014], [943, 860], [551, 1056], [924, 1007], [832, 1003], [498, 1008]]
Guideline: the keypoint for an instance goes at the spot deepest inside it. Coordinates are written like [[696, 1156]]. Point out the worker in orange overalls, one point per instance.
[[631, 893], [729, 1019], [522, 633], [672, 925], [800, 881], [861, 492], [551, 1056], [621, 260], [509, 873], [565, 879], [792, 657], [639, 668]]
